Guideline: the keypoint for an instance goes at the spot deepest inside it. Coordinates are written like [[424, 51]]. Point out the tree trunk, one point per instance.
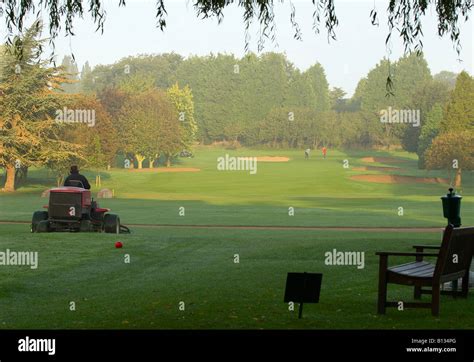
[[10, 181], [140, 160], [152, 162], [168, 161], [457, 178]]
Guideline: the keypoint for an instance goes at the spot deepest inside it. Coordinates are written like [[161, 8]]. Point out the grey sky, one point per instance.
[[359, 46]]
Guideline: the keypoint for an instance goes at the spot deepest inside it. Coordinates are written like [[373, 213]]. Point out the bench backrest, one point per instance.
[[455, 254]]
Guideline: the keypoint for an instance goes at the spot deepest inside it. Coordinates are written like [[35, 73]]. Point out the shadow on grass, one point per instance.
[[39, 180]]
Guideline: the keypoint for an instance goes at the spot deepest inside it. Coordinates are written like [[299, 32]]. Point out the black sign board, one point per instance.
[[303, 288]]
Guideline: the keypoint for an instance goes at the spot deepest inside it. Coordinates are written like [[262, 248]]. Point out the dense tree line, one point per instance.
[[266, 101], [243, 99], [230, 95]]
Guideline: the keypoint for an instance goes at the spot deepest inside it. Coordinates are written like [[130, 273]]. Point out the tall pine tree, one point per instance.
[[28, 102]]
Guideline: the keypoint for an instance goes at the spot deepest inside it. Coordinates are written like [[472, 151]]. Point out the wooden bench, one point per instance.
[[453, 261]]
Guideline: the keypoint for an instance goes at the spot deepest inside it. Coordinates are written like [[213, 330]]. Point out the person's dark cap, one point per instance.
[[74, 169]]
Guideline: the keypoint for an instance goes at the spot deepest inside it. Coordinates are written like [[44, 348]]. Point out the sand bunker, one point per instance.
[[272, 159], [395, 179], [374, 168], [382, 160], [166, 169]]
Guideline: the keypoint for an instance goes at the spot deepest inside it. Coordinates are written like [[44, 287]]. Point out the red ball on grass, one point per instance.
[[118, 244]]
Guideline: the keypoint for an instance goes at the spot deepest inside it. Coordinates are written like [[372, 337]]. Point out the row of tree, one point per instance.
[[234, 96], [231, 95], [266, 100]]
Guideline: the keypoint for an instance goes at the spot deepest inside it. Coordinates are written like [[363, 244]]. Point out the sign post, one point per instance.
[[303, 288]]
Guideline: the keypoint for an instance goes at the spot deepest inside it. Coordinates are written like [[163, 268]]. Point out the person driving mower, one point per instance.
[[76, 179]]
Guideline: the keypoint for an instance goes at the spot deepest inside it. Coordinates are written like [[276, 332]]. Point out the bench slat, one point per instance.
[[410, 266], [415, 269]]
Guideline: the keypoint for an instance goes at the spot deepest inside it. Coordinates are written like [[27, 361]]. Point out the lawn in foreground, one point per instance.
[[169, 265]]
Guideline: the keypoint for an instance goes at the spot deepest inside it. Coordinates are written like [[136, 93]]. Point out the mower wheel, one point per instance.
[[43, 227], [38, 216], [112, 224], [85, 226]]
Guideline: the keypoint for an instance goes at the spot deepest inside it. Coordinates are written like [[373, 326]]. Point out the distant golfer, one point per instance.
[[75, 177], [325, 151], [306, 153]]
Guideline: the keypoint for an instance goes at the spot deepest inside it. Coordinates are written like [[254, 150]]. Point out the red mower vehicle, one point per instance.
[[73, 209]]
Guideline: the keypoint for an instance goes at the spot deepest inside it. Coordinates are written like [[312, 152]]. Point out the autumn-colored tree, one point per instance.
[[452, 151], [112, 99], [101, 130], [28, 101], [170, 138]]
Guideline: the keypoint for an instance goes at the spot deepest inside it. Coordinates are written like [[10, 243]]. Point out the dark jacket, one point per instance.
[[77, 177]]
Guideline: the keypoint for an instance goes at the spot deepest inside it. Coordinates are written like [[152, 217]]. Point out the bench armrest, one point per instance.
[[427, 246], [400, 253]]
